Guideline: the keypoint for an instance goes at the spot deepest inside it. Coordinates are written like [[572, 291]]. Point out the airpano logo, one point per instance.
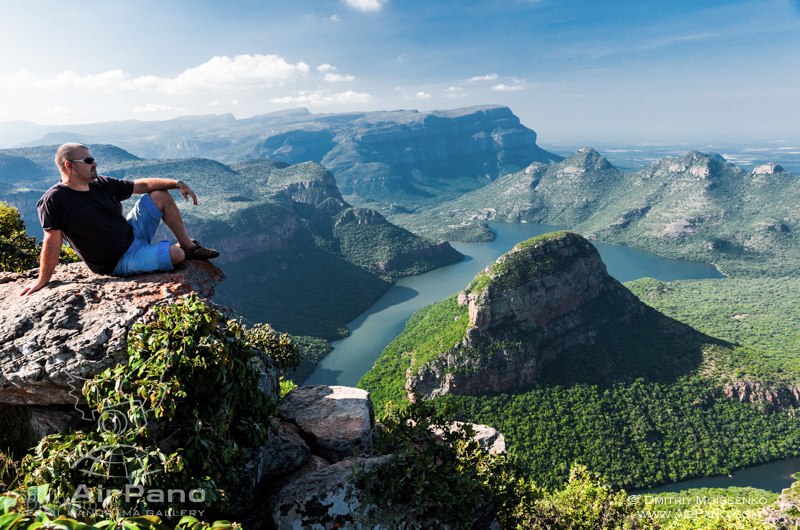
[[119, 461], [123, 465]]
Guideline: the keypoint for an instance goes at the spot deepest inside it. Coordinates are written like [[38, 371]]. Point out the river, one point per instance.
[[374, 329], [773, 476]]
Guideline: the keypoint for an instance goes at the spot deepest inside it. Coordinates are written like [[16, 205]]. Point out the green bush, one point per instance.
[[15, 515], [179, 416], [18, 251]]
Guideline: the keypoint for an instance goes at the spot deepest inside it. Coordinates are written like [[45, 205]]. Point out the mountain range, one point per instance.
[[697, 206], [391, 160]]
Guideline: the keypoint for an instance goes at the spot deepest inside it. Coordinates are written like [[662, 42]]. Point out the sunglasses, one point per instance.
[[87, 160]]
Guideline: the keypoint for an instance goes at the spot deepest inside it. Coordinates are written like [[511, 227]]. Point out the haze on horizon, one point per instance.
[[574, 71]]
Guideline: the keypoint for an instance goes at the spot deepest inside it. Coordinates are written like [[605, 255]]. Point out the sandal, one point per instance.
[[199, 252]]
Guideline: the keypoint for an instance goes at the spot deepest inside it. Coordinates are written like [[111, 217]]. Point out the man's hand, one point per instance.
[[148, 185], [51, 251], [34, 286], [186, 191]]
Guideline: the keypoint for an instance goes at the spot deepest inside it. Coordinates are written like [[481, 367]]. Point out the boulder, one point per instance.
[[489, 438], [284, 453], [337, 421], [331, 498], [76, 326]]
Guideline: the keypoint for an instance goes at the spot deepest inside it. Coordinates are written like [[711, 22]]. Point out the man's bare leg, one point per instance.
[[171, 216]]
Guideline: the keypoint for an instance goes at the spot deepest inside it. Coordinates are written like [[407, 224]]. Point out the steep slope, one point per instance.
[[405, 160]]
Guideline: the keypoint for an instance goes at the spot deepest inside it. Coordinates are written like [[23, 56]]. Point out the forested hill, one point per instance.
[[296, 253], [573, 367]]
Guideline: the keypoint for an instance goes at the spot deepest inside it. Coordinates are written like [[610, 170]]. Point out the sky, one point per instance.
[[574, 71]]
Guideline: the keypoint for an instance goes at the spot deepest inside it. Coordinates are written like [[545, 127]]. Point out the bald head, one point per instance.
[[69, 152]]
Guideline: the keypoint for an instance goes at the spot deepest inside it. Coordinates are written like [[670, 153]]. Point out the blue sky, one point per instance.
[[574, 71]]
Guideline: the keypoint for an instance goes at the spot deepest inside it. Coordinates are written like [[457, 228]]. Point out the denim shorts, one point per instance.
[[143, 256]]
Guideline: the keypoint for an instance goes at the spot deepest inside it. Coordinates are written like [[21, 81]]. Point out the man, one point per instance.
[[86, 210]]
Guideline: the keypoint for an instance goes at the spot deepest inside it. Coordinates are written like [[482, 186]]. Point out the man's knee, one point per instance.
[[161, 198], [176, 254]]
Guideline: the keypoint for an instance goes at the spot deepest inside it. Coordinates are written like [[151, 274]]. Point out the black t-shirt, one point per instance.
[[92, 221]]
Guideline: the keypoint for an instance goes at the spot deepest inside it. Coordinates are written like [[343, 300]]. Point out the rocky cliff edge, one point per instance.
[[77, 325]]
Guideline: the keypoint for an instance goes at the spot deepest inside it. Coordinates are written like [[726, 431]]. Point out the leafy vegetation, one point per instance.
[[708, 508], [429, 332], [636, 435], [440, 471], [17, 514], [18, 251], [177, 421], [760, 315]]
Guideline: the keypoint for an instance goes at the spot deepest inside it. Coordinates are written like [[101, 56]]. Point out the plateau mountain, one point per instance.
[[389, 160]]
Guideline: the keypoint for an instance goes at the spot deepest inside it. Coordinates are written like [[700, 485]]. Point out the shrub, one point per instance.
[[179, 416], [18, 251]]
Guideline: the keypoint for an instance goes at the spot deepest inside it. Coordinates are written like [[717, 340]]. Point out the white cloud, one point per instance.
[[335, 78], [454, 92], [507, 88], [220, 72], [214, 103], [318, 97], [422, 95], [331, 76], [487, 77], [366, 5], [335, 18]]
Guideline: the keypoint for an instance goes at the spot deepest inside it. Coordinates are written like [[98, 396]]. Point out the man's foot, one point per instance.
[[200, 252]]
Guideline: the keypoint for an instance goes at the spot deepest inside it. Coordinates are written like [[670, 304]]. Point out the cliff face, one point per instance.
[[405, 159], [548, 295]]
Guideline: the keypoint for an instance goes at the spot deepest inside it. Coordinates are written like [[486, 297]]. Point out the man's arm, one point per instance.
[[156, 184], [48, 259]]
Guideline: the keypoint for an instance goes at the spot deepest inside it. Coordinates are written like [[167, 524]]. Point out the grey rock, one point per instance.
[[337, 421], [284, 453], [75, 327], [331, 498]]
